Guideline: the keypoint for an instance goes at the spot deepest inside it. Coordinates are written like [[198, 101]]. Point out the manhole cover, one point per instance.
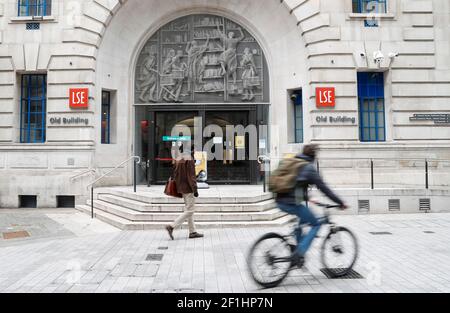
[[329, 273], [154, 257], [16, 234], [380, 233]]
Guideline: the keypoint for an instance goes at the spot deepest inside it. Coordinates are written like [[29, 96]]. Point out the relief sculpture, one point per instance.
[[199, 58], [228, 59], [195, 54], [250, 79], [149, 78]]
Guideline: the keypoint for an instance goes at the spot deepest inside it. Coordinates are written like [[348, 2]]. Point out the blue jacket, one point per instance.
[[307, 175]]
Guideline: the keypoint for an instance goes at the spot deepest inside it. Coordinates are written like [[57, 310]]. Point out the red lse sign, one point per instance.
[[79, 98], [325, 97]]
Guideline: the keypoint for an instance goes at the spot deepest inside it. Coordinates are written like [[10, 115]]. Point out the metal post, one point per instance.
[[92, 202], [264, 178], [426, 174], [134, 174], [371, 175], [148, 173]]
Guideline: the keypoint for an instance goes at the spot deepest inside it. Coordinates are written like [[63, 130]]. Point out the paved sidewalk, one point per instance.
[[86, 255]]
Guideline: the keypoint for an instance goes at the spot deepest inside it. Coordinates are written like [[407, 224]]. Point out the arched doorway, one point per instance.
[[204, 66]]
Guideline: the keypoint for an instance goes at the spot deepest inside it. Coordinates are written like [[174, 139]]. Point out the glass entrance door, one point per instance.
[[232, 167], [228, 169], [165, 140]]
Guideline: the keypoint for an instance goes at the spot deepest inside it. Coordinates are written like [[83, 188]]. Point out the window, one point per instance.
[[298, 115], [34, 7], [106, 117], [65, 201], [33, 108], [371, 106], [29, 202], [369, 6]]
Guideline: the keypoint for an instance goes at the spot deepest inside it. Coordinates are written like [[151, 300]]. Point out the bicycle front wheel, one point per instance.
[[269, 260], [339, 252]]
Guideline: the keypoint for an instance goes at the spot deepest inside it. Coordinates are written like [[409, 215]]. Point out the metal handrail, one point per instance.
[[368, 159], [262, 159], [83, 173], [114, 169], [137, 160]]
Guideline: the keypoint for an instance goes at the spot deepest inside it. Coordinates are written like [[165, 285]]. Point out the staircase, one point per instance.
[[149, 208]]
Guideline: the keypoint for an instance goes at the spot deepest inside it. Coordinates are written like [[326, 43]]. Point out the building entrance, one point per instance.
[[204, 66], [229, 155]]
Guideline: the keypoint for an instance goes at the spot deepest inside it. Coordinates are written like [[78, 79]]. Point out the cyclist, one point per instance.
[[292, 202]]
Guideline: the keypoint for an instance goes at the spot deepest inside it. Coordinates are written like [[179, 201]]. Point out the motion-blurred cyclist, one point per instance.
[[293, 201]]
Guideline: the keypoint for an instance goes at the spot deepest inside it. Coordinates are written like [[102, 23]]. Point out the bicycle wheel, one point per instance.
[[339, 252], [269, 260]]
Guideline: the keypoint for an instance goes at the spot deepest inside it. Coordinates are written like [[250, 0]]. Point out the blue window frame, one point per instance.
[[369, 6], [371, 106], [106, 117], [34, 7], [33, 107], [298, 116]]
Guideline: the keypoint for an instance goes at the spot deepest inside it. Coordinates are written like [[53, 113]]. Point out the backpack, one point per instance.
[[284, 178]]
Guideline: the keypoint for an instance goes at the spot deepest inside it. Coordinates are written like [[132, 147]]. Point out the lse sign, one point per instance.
[[79, 98], [325, 97]]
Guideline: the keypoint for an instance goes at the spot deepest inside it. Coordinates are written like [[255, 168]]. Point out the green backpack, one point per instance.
[[284, 178]]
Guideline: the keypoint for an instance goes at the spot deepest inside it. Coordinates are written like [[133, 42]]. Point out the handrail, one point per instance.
[[137, 160], [114, 169], [265, 159], [83, 173]]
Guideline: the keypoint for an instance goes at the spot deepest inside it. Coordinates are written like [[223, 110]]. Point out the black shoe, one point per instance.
[[297, 260], [170, 231], [195, 235]]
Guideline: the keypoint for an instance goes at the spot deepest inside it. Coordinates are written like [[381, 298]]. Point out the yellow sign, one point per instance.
[[240, 142], [201, 159]]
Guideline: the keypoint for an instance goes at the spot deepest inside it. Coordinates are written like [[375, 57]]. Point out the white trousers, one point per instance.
[[189, 209]]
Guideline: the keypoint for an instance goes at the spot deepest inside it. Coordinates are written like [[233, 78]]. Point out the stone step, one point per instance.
[[125, 224], [205, 198], [136, 216], [179, 207]]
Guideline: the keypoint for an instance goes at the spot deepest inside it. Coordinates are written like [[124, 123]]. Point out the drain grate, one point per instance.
[[154, 257], [380, 233], [163, 248], [429, 232], [15, 235], [352, 274]]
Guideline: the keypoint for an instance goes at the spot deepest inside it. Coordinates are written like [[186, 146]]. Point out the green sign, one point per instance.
[[176, 138]]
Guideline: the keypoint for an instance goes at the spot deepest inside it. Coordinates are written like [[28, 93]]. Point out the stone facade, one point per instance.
[[308, 43]]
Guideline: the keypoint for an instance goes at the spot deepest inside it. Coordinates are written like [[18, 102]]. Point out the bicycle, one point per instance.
[[333, 245]]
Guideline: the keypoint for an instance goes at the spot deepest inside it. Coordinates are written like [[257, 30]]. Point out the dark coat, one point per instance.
[[184, 175], [307, 175]]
